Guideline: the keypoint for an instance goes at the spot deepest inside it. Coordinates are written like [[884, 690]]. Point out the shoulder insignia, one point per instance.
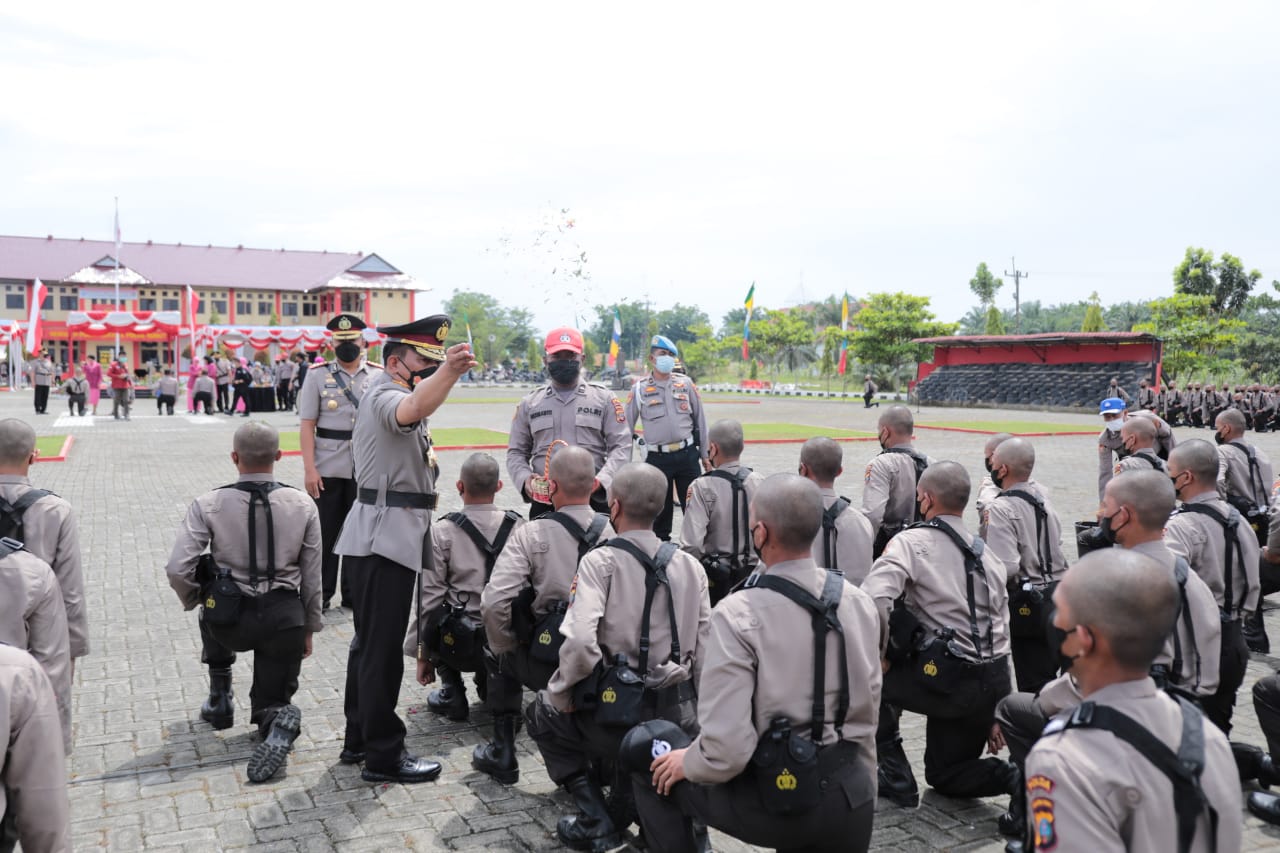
[[1054, 726], [688, 494], [373, 364], [866, 476], [1042, 821], [1039, 784], [986, 516], [1117, 468], [324, 365], [631, 397], [617, 411], [573, 589]]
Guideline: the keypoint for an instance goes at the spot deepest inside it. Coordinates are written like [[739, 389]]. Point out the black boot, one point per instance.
[[1013, 823], [590, 829], [897, 782], [1255, 632], [1248, 758], [498, 758], [219, 710], [451, 699]]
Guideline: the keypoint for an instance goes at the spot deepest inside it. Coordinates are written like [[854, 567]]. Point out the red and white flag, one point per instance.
[[34, 332]]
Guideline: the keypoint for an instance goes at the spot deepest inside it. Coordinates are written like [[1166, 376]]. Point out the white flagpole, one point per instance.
[[117, 276]]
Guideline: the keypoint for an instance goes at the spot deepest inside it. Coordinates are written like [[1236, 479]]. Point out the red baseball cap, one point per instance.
[[564, 338]]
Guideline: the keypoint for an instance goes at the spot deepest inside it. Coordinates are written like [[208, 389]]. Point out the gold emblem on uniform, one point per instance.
[[344, 324], [786, 781], [1024, 610], [447, 639], [544, 639], [332, 404], [608, 697], [443, 331], [210, 603], [931, 669]]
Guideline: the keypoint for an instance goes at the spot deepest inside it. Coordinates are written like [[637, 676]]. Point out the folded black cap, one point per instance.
[[648, 741]]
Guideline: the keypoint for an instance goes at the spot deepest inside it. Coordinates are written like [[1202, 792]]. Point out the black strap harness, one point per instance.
[[1182, 571], [1230, 524], [587, 538], [921, 463], [260, 492], [738, 483], [830, 535], [343, 383], [12, 513], [972, 566], [491, 550], [655, 575], [1043, 547]]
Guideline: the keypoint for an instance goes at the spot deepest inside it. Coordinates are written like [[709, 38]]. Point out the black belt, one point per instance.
[[670, 447], [413, 500], [663, 698], [335, 434]]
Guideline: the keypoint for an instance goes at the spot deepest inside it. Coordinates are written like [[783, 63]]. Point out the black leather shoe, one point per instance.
[[1268, 773], [269, 755], [351, 756], [1255, 633], [1265, 805], [896, 781], [411, 769], [451, 701], [1247, 757]]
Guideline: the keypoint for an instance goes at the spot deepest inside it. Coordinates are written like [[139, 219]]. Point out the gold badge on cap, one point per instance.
[[443, 331], [344, 324]]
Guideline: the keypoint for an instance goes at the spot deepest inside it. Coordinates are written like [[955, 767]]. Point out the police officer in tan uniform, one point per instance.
[[33, 766], [1195, 405], [758, 672], [223, 371], [1244, 471], [987, 490], [572, 410], [32, 617], [266, 537], [526, 597], [283, 376], [1228, 566], [1137, 450], [869, 389], [465, 547], [1023, 531], [669, 409], [48, 529], [652, 621], [1147, 396], [889, 493], [959, 677], [1114, 390], [1093, 781], [714, 528], [844, 542], [386, 538], [327, 407], [42, 372]]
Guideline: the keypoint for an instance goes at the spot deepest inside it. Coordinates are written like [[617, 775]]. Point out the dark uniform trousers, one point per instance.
[[384, 592], [682, 468], [335, 501], [238, 393], [598, 502], [283, 400], [273, 627], [1266, 702], [507, 676], [840, 823], [1034, 663], [1021, 720], [1231, 670], [955, 740], [569, 742], [42, 399], [205, 398], [223, 391]]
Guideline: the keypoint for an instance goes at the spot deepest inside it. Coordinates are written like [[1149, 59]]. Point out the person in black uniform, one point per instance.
[[241, 382]]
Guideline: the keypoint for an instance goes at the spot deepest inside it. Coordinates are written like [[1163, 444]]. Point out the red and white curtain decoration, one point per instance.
[[100, 324]]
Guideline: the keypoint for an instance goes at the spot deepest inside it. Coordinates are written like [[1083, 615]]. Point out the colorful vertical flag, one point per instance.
[[616, 341], [193, 306], [844, 341], [470, 341], [34, 332], [749, 304]]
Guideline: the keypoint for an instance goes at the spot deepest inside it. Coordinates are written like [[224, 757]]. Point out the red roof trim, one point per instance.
[[1042, 338]]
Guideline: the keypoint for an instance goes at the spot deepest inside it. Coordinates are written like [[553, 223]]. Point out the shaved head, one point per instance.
[[823, 457], [641, 490], [1232, 418], [1126, 597], [727, 435], [1198, 457], [1142, 430], [257, 444], [480, 474], [17, 442], [790, 507], [1018, 454], [994, 442], [574, 472], [948, 484], [897, 419], [1148, 493]]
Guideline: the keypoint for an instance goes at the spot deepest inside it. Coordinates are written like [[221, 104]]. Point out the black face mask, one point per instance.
[[1105, 532], [997, 480], [987, 463], [1056, 637], [416, 376], [563, 371], [1217, 436], [347, 352]]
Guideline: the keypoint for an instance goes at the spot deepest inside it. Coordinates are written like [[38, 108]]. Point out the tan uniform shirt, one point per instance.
[[1059, 694], [205, 385], [853, 541], [707, 525], [889, 490], [50, 532], [223, 371], [1205, 622], [32, 617], [168, 386], [927, 566], [1009, 529], [670, 410], [1089, 790], [541, 554], [606, 602], [42, 371], [321, 400], [1203, 540], [388, 458], [1141, 460], [592, 419], [1234, 474], [459, 567], [759, 666], [34, 766], [987, 492], [285, 370], [219, 520], [75, 385]]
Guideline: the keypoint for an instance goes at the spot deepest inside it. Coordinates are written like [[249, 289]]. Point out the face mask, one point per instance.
[[1114, 426], [416, 376], [997, 480], [563, 371], [755, 549], [1176, 491], [1057, 637], [347, 351], [1105, 532], [987, 463], [664, 363], [1218, 437]]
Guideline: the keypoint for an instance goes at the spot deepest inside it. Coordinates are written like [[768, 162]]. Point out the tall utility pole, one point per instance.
[[1017, 295]]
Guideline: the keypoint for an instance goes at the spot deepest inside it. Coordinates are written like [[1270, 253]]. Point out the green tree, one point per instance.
[[679, 321], [510, 329], [1093, 315], [785, 340], [984, 285], [994, 324], [731, 323], [533, 355], [1195, 337], [701, 355], [1225, 281], [635, 316], [886, 326]]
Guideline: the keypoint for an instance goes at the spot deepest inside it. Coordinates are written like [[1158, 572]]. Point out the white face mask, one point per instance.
[[664, 363], [1115, 425]]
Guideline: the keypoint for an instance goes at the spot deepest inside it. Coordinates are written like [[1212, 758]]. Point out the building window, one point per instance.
[[289, 309], [353, 303], [309, 309], [244, 306], [15, 301], [219, 306], [168, 305], [68, 303], [266, 307], [146, 303], [48, 302]]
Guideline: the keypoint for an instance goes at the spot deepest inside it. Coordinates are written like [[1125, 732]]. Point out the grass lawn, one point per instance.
[[764, 432], [1015, 427], [50, 445], [442, 438]]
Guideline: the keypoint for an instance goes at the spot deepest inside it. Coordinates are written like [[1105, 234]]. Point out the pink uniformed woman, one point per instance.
[[93, 375]]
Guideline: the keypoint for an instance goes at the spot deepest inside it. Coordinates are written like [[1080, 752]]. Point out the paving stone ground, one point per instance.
[[146, 773]]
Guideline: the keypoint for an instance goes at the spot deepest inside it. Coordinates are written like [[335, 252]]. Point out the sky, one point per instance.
[[697, 148]]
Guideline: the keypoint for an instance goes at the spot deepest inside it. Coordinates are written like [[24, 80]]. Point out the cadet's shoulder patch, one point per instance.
[[866, 476], [617, 411], [1042, 819], [1039, 784], [986, 516], [631, 395], [688, 493], [573, 589], [1117, 468]]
